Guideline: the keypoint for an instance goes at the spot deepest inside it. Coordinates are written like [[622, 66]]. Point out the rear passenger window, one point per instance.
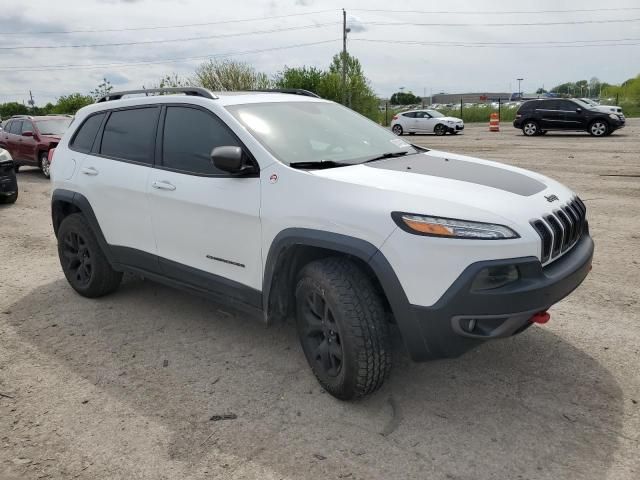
[[130, 135], [189, 136], [83, 140]]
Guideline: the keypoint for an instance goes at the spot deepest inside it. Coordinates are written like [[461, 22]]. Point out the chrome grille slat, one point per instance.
[[561, 229]]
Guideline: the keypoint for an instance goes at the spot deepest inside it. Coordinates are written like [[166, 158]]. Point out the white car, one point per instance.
[[425, 121], [291, 206], [602, 108]]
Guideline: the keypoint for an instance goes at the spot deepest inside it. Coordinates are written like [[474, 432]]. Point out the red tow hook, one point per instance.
[[540, 317]]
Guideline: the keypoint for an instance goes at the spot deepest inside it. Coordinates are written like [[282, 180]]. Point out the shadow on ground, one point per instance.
[[529, 407]]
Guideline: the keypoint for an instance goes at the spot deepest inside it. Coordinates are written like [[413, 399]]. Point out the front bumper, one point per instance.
[[442, 330]]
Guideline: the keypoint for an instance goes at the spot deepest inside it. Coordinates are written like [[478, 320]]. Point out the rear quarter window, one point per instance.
[[409, 114], [86, 134]]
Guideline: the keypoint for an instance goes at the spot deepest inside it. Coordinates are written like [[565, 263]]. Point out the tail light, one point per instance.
[[395, 117], [50, 156]]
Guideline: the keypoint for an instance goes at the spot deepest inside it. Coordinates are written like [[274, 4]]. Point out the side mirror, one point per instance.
[[27, 134], [230, 159]]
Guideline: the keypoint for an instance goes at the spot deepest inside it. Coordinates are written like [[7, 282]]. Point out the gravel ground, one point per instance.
[[125, 387]]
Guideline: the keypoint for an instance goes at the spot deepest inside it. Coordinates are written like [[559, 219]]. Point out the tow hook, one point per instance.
[[540, 317]]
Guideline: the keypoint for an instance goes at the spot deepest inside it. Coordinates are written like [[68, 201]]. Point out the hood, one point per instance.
[[52, 137], [450, 119], [456, 186]]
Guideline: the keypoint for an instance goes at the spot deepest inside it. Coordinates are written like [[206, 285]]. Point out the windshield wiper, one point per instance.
[[386, 155], [317, 165]]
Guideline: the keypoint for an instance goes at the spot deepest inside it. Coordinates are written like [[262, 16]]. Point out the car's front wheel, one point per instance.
[[440, 130], [342, 327], [83, 262], [530, 128], [599, 128], [44, 165], [397, 129]]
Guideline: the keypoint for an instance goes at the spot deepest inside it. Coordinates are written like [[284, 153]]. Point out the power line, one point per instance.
[[572, 44], [46, 68], [528, 24], [160, 27], [171, 40], [497, 12]]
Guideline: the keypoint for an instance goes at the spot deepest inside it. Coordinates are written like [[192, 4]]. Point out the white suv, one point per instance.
[[293, 206]]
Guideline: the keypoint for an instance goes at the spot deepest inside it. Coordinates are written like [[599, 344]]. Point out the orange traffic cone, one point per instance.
[[494, 123]]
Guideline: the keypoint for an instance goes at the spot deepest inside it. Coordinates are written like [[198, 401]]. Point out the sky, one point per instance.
[[425, 53]]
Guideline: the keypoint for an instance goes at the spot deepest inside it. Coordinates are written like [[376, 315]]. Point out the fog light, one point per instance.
[[495, 277]]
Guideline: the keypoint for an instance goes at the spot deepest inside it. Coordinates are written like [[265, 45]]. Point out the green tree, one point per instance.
[[173, 80], [307, 78], [404, 98], [102, 89], [227, 75], [359, 95], [540, 91], [13, 108], [70, 104]]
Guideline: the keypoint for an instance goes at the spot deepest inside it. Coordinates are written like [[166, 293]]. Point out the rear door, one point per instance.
[[550, 115], [206, 221], [13, 138], [113, 176]]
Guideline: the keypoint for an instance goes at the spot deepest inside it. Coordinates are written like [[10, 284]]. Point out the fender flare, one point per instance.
[[81, 203], [361, 249]]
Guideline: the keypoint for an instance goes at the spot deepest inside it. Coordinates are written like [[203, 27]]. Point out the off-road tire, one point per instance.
[[355, 310], [83, 262]]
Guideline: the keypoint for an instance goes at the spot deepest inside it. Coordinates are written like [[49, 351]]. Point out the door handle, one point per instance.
[[163, 186], [89, 171]]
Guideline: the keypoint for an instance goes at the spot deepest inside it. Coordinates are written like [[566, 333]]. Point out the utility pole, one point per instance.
[[344, 57], [519, 89], [31, 102]]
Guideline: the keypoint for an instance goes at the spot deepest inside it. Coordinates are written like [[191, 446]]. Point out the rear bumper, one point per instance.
[[8, 182], [442, 330]]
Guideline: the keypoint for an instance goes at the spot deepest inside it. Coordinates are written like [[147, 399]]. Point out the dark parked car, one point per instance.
[[29, 139], [8, 183], [536, 117]]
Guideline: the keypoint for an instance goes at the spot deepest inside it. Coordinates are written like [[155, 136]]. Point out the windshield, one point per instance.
[[591, 103], [435, 113], [55, 126], [297, 132]]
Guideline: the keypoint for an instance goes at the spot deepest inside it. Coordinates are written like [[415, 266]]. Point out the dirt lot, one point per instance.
[[124, 387]]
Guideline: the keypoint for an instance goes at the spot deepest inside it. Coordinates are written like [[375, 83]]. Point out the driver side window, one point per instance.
[[190, 134]]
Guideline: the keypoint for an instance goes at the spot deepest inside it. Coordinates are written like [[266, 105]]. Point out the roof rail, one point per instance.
[[192, 91], [21, 116], [293, 91]]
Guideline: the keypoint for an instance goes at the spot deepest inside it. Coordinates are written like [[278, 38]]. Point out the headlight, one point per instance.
[[451, 227], [614, 116]]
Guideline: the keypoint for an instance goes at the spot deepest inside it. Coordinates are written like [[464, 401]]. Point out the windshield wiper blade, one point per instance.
[[386, 155], [317, 164]]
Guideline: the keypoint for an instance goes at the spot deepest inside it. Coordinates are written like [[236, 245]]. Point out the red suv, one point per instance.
[[29, 139]]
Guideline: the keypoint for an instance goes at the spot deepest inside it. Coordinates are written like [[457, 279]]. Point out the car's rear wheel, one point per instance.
[[599, 128], [440, 129], [342, 328], [530, 128], [83, 262], [397, 129], [44, 165]]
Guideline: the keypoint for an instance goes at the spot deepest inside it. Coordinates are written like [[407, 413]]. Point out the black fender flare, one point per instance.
[[81, 203], [360, 249]]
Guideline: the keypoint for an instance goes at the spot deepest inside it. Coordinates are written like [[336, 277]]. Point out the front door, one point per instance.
[[28, 144], [206, 221], [573, 115]]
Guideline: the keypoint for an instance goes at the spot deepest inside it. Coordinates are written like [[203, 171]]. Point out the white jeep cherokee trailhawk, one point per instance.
[[293, 206]]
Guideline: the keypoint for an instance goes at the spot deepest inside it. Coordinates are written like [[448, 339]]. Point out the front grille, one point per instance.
[[561, 229]]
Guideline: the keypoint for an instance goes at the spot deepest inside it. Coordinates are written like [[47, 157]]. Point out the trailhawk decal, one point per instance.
[[464, 171]]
